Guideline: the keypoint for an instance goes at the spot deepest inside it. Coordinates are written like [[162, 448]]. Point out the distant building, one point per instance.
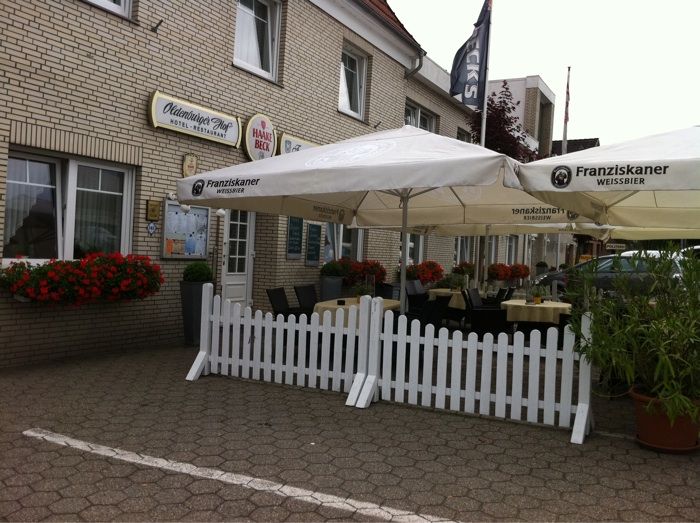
[[574, 145], [535, 110]]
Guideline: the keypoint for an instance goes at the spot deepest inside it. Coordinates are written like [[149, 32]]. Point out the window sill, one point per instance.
[[353, 116], [124, 17], [243, 67]]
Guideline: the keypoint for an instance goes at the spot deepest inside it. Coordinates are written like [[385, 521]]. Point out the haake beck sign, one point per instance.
[[260, 138]]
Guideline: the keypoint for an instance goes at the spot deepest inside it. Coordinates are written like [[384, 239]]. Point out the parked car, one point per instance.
[[606, 268]]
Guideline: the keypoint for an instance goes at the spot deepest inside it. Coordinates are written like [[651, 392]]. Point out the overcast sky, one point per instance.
[[635, 64]]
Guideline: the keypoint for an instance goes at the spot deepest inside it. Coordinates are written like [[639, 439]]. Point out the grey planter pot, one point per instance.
[[191, 300], [331, 287]]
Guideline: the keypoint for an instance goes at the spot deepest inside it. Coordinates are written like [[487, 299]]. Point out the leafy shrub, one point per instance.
[[198, 271], [519, 270], [464, 268], [427, 272], [357, 271], [334, 268]]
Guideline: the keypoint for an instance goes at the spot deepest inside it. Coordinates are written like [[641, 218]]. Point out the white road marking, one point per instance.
[[316, 498]]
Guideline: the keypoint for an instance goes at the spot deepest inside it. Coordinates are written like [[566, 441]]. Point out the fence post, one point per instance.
[[201, 363], [362, 347], [583, 418], [369, 388]]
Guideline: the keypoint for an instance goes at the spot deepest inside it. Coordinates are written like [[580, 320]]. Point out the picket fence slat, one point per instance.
[[397, 361], [455, 390], [517, 377], [413, 366]]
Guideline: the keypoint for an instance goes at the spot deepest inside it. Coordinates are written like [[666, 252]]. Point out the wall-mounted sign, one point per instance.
[[185, 117], [290, 144], [189, 164], [295, 230], [260, 138], [153, 210], [313, 245], [615, 246]]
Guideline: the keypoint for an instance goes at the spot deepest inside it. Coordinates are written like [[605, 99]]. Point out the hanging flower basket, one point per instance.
[[97, 277]]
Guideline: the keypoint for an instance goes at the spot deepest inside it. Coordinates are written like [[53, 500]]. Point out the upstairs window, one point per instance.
[[120, 7], [462, 135], [352, 83], [257, 35], [417, 116]]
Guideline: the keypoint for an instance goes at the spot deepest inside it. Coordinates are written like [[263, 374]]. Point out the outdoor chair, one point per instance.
[[496, 300], [384, 290], [485, 319], [433, 312], [279, 302], [415, 301], [475, 302], [306, 295]]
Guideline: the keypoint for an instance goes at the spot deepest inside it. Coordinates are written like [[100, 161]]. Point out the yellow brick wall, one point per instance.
[[77, 79]]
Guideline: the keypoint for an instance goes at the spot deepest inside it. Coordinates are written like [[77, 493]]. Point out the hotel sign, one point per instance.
[[185, 117]]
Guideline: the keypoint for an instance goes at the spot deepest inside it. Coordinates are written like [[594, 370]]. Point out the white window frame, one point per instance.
[[66, 197], [416, 111], [121, 10], [465, 135], [274, 8], [361, 83], [512, 249]]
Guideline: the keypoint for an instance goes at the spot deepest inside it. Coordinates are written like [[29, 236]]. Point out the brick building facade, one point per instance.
[[78, 77]]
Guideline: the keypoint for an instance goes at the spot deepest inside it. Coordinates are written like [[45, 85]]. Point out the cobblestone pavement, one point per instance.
[[320, 459]]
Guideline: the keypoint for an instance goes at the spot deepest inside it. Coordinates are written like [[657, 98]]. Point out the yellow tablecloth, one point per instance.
[[545, 312], [332, 305], [457, 301]]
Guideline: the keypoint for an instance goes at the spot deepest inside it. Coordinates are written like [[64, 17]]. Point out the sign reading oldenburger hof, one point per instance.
[[188, 118], [260, 137]]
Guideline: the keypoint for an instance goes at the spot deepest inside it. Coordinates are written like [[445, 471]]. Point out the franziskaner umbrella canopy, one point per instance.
[[401, 177], [648, 182]]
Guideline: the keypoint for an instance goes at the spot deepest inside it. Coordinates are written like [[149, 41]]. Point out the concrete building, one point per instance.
[[89, 147]]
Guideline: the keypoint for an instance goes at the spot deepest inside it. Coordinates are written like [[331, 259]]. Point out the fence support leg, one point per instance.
[[362, 347], [584, 416], [370, 385], [202, 362]]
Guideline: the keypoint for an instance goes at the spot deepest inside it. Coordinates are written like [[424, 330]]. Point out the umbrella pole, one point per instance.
[[404, 252]]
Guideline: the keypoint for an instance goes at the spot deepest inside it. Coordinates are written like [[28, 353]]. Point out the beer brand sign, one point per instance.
[[290, 144], [185, 117], [260, 137]]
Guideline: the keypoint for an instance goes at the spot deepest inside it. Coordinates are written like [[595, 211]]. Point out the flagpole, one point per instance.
[[486, 81], [566, 112]]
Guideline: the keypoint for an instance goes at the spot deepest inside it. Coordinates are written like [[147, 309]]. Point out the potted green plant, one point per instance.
[[194, 276], [646, 332], [537, 293], [332, 274]]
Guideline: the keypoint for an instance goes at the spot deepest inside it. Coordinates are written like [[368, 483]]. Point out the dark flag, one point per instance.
[[468, 76]]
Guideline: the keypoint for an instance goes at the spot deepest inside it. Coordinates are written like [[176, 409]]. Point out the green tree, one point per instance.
[[504, 133]]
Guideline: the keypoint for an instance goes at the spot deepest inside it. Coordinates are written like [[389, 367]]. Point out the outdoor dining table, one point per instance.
[[545, 312], [333, 306], [457, 300]]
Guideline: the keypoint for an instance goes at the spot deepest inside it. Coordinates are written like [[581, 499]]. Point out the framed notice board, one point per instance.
[[185, 234], [313, 245], [295, 231]]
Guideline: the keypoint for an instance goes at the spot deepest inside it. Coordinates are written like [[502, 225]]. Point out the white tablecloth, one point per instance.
[[333, 306], [545, 312]]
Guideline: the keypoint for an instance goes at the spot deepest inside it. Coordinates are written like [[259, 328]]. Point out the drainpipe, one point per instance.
[[417, 68]]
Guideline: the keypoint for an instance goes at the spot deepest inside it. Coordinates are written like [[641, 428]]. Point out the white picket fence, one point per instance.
[[374, 355]]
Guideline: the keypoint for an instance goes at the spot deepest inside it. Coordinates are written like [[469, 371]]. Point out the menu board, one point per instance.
[[313, 245], [185, 234], [295, 231]]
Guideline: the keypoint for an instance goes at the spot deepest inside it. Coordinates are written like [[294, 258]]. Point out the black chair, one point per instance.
[[475, 301], [482, 318], [279, 302], [433, 312], [509, 294], [306, 295], [416, 296], [496, 300], [384, 290]]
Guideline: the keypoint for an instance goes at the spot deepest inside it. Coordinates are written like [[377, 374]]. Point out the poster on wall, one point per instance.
[[185, 234], [313, 245], [295, 230]]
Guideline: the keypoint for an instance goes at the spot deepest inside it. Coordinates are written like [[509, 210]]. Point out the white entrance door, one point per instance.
[[237, 269]]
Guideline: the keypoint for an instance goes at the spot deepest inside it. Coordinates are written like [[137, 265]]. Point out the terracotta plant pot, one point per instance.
[[654, 430]]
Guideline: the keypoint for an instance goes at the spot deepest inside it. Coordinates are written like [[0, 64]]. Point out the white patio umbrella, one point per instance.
[[648, 182], [402, 177]]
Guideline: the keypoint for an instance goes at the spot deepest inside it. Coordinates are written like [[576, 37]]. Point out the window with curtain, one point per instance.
[[255, 49], [420, 117], [58, 208], [352, 80], [342, 242], [120, 7]]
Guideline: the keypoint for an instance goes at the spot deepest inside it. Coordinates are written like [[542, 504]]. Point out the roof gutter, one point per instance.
[[417, 68]]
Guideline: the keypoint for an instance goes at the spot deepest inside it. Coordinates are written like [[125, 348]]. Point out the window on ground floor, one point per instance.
[[66, 208]]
